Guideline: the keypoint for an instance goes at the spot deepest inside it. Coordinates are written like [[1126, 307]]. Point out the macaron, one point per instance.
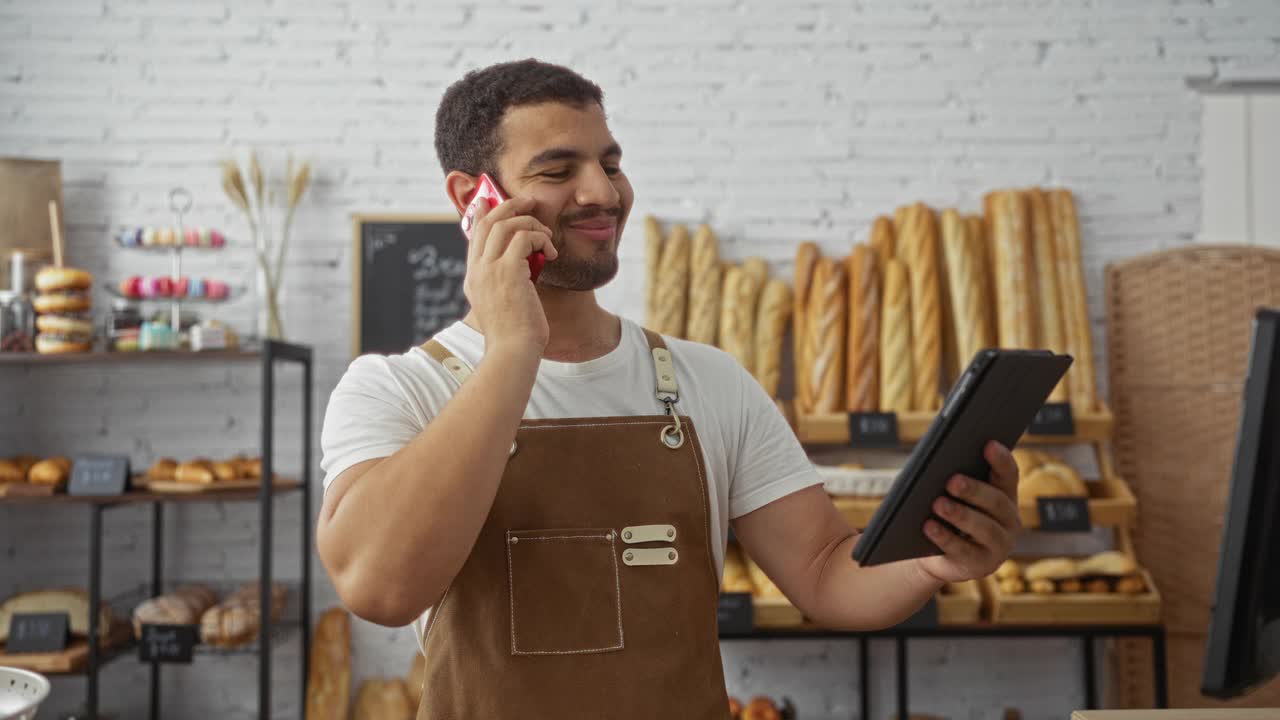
[[216, 239], [180, 286], [217, 289], [192, 238]]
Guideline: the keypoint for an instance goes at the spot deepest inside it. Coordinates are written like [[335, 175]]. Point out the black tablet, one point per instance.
[[996, 398]]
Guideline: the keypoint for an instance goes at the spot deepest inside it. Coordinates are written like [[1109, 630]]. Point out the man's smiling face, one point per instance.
[[565, 158]]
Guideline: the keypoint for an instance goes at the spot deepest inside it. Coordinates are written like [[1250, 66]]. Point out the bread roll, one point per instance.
[[918, 244], [1011, 249], [1098, 586], [1047, 297], [163, 469], [827, 325], [1132, 585], [1008, 569], [970, 305], [652, 268], [673, 284], [1013, 586], [11, 472], [895, 340], [862, 380], [329, 668], [704, 287], [770, 326], [1043, 587], [882, 240], [25, 463], [383, 699], [1077, 328], [51, 471], [197, 471], [761, 708], [806, 260], [1070, 586]]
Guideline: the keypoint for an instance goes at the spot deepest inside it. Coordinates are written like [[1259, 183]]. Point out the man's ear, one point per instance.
[[459, 186]]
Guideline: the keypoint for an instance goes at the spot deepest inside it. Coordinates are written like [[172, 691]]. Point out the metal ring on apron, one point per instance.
[[672, 435]]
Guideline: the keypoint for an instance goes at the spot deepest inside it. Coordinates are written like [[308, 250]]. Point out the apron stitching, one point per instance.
[[706, 530], [565, 425], [617, 588]]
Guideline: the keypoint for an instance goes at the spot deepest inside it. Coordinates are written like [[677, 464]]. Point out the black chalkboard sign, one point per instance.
[[407, 273], [1064, 514], [167, 643], [873, 430], [38, 632], [99, 475], [1053, 419], [736, 614]]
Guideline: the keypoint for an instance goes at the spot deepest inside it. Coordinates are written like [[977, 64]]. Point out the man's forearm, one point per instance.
[[402, 531], [851, 597]]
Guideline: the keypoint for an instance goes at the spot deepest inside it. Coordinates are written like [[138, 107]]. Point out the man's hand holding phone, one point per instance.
[[498, 277]]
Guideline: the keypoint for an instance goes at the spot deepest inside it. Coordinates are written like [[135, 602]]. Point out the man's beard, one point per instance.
[[570, 271]]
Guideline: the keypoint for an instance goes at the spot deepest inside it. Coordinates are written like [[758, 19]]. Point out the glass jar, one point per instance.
[[123, 326], [17, 322]]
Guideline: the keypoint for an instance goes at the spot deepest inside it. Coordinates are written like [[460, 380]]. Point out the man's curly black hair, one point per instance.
[[471, 109]]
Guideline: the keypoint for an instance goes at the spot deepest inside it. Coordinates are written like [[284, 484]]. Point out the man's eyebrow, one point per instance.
[[556, 154]]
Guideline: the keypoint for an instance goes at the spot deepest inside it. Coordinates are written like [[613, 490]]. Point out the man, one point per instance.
[[557, 482]]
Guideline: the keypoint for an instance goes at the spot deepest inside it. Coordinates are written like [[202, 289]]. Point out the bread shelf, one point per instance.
[[1073, 608], [74, 660], [833, 428], [135, 497], [960, 603], [103, 357]]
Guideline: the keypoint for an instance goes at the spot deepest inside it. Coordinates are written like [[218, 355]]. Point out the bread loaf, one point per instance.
[[198, 471], [770, 327], [235, 620], [383, 699], [1047, 297], [704, 287], [895, 340], [1078, 334], [730, 318], [652, 266], [1051, 569], [73, 601], [329, 669], [806, 259], [899, 225], [827, 326], [980, 250], [1109, 562], [1011, 246], [183, 606], [882, 240], [673, 284], [970, 305], [11, 472], [755, 272], [51, 471], [862, 380], [918, 244]]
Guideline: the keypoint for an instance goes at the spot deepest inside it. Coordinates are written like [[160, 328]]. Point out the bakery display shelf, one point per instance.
[[833, 428], [234, 292], [74, 660], [1081, 608], [134, 497], [960, 603], [102, 356]]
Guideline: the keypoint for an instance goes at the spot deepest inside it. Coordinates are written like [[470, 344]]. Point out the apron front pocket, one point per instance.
[[565, 591]]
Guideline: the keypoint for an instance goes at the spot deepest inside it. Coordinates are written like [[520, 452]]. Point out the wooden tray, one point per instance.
[[170, 486], [26, 489], [833, 428], [961, 606], [73, 659], [1073, 608]]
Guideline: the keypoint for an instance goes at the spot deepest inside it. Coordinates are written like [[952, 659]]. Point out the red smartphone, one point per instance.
[[488, 190]]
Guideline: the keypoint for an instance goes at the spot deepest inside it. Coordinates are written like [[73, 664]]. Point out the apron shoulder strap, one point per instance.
[[664, 370], [458, 369]]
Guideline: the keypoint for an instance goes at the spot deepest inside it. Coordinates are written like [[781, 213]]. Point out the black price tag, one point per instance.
[[99, 475], [873, 430], [1053, 419], [925, 617], [167, 643], [38, 632], [1064, 514], [736, 614]]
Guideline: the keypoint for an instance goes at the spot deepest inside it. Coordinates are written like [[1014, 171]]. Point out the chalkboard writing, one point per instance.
[[873, 430], [37, 632], [99, 475], [925, 617], [407, 280], [167, 643], [1053, 419], [1064, 514], [736, 614]]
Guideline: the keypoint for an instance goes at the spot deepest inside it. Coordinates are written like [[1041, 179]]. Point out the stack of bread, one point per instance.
[[53, 471], [202, 471], [1106, 572], [890, 327], [62, 307], [691, 294]]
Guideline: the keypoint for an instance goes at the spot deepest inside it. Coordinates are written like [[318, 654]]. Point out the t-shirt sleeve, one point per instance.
[[369, 416], [769, 462]]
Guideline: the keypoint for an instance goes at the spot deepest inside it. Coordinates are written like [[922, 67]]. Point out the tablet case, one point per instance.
[[996, 398]]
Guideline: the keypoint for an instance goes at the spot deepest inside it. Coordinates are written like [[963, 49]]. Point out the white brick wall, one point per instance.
[[774, 121]]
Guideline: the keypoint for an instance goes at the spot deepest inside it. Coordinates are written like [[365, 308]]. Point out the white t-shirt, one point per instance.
[[751, 455]]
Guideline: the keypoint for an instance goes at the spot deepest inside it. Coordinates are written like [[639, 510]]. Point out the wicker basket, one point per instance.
[[1178, 327]]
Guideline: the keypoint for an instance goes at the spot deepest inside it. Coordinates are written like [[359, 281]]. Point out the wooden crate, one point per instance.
[[833, 428], [962, 605], [1073, 608]]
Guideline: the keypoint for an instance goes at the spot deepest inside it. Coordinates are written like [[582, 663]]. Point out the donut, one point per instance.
[[71, 301], [65, 325], [59, 345], [62, 278]]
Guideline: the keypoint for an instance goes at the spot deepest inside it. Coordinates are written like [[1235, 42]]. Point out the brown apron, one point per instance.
[[591, 591]]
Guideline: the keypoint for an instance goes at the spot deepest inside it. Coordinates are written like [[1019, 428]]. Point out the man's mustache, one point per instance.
[[591, 214]]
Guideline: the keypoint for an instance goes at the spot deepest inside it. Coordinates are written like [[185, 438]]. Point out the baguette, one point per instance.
[[382, 699], [1078, 333], [899, 225], [980, 249], [1011, 246], [1048, 299], [704, 287], [919, 246], [755, 273], [770, 326], [882, 239], [652, 266], [862, 381], [673, 284], [806, 259], [827, 325], [970, 304], [329, 669], [895, 340], [728, 328]]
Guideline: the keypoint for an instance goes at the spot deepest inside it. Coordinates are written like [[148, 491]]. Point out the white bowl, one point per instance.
[[21, 693]]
